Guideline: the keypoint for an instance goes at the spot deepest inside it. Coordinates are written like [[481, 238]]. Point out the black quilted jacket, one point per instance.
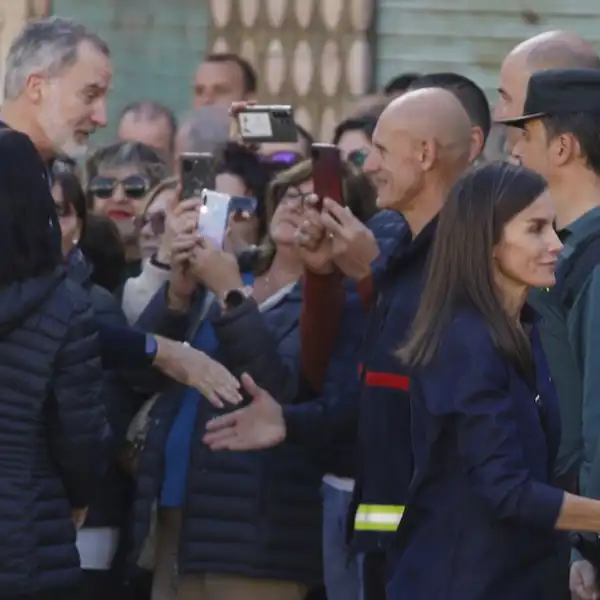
[[52, 430]]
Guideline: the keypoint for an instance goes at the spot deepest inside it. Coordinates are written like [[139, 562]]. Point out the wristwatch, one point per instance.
[[158, 264], [235, 298]]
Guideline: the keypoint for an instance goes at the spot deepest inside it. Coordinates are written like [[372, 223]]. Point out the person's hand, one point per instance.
[[184, 227], [78, 516], [195, 369], [179, 216], [582, 581], [235, 134], [216, 269], [256, 426], [314, 246], [354, 245], [239, 234]]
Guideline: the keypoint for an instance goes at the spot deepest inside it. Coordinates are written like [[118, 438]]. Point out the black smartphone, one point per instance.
[[327, 173], [196, 170], [267, 123]]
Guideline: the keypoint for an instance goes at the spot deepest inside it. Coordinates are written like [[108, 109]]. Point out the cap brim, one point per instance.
[[520, 121]]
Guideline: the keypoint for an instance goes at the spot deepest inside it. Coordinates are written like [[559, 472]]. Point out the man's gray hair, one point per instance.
[[45, 46], [205, 129]]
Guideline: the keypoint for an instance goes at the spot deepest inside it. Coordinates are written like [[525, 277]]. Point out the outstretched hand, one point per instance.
[[256, 426]]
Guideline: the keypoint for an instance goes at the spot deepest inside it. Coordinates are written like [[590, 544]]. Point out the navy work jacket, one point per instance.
[[480, 515]]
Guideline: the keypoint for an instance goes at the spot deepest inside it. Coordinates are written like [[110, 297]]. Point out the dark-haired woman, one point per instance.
[[52, 423], [481, 519], [100, 538]]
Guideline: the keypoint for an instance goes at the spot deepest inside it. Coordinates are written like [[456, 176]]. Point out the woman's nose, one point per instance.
[[118, 194], [554, 243]]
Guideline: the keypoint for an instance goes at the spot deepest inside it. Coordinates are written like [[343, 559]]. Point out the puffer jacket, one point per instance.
[[52, 430], [253, 514], [114, 494]]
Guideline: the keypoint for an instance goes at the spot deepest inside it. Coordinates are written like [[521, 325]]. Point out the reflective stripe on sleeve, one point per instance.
[[378, 517]]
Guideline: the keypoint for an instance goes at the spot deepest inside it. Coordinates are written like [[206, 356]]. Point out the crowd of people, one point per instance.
[[394, 398]]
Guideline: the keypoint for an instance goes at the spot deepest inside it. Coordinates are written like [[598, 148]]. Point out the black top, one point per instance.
[[120, 347]]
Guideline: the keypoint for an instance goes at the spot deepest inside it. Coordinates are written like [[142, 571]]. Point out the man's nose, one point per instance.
[[100, 114], [371, 163]]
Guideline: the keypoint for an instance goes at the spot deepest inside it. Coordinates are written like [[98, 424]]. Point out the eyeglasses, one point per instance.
[[64, 165], [135, 187], [358, 157], [156, 220], [293, 197], [288, 158]]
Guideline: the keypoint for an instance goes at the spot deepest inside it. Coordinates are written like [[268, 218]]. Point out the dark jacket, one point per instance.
[[481, 513], [52, 430], [254, 514], [381, 409], [341, 381], [110, 503]]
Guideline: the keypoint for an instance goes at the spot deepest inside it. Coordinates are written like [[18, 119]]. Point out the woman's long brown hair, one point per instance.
[[460, 273]]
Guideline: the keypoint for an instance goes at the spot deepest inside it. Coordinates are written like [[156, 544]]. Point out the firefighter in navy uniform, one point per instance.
[[421, 145]]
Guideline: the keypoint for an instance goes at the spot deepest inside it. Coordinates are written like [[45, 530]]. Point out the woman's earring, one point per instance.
[[75, 241]]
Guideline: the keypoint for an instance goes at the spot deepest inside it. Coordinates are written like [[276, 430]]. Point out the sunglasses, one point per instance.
[[243, 205], [135, 187], [358, 157], [64, 165], [288, 158], [156, 221]]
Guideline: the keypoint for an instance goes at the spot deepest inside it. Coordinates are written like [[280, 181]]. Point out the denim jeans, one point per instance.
[[341, 573]]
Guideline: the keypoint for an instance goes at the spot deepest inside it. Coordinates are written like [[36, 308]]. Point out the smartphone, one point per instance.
[[197, 173], [267, 123], [213, 217], [327, 173]]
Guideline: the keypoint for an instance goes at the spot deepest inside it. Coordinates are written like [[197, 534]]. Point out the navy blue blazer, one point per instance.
[[479, 523]]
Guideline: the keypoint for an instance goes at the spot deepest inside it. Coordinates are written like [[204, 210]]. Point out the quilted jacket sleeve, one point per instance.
[[80, 435], [269, 354], [118, 396]]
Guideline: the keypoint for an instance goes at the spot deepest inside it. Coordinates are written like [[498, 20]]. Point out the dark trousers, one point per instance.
[[102, 585], [556, 581], [375, 576], [56, 594]]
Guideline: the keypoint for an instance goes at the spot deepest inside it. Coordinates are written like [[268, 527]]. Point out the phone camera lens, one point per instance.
[[187, 166]]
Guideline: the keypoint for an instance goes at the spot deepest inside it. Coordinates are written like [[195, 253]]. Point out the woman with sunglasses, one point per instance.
[[119, 178], [99, 541], [155, 236]]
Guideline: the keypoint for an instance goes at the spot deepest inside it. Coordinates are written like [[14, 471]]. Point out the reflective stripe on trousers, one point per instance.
[[378, 517]]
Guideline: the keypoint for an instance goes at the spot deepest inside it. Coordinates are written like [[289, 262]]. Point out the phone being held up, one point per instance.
[[327, 173], [215, 211], [196, 173], [259, 124]]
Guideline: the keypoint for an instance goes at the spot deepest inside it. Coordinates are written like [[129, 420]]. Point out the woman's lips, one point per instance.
[[119, 214]]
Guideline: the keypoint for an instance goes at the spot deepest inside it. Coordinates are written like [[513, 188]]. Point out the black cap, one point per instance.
[[559, 91]]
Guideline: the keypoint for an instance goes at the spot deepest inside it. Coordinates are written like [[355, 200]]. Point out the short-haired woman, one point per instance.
[[119, 177]]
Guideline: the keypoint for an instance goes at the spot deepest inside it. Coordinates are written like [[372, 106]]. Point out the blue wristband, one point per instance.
[[151, 348]]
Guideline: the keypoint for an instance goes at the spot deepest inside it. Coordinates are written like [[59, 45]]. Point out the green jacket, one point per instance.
[[571, 340]]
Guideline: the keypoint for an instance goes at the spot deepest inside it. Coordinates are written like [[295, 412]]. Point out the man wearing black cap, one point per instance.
[[561, 141]]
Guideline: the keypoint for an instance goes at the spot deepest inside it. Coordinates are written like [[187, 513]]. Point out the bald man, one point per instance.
[[422, 143], [550, 50]]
